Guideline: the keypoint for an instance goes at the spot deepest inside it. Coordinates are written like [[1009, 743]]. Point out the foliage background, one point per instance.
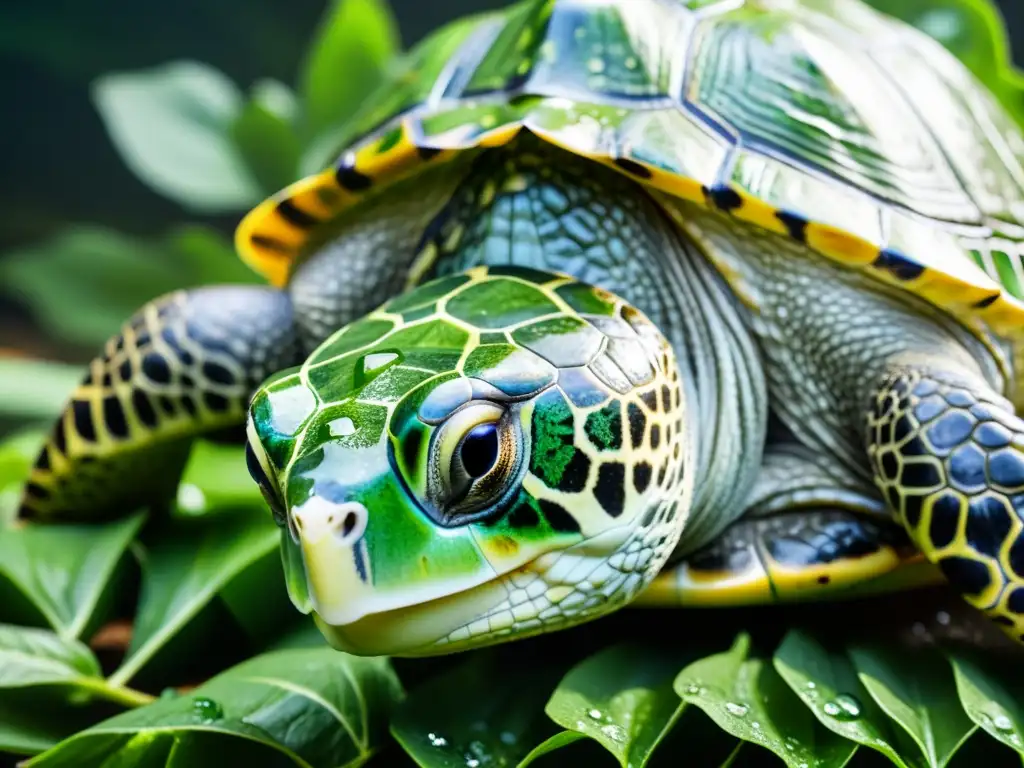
[[83, 240]]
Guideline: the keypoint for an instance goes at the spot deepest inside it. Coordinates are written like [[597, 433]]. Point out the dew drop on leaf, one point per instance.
[[206, 710], [594, 714], [843, 707], [437, 741], [736, 709], [692, 689], [1002, 723], [614, 732]]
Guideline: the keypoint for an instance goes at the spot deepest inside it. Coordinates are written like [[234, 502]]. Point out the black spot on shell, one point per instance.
[[923, 475], [216, 403], [124, 370], [523, 515], [610, 490], [1016, 601], [36, 491], [795, 224], [988, 525], [427, 153], [271, 245], [351, 179], [557, 517], [634, 168], [724, 197], [189, 404], [655, 436], [898, 265], [155, 367], [113, 417], [988, 301], [574, 476], [218, 373], [650, 399], [59, 439], [295, 216]]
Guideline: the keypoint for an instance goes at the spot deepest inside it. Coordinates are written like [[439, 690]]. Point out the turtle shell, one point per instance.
[[821, 120]]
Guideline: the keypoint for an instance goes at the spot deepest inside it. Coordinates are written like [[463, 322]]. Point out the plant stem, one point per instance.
[[119, 694]]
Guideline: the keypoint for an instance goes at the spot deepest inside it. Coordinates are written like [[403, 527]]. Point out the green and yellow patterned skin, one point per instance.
[[671, 302]]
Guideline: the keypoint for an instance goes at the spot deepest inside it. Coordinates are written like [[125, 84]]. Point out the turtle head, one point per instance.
[[490, 455]]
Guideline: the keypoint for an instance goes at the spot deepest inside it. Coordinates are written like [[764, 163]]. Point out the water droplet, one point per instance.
[[631, 62], [943, 618], [692, 690], [472, 762], [614, 732], [191, 499], [843, 707], [755, 725], [831, 708], [1002, 723], [811, 685], [507, 737], [736, 709], [594, 714], [206, 710], [437, 741], [595, 65]]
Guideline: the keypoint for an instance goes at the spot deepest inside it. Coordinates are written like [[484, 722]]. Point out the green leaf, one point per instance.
[[35, 389], [560, 740], [748, 699], [207, 257], [316, 707], [84, 283], [63, 569], [216, 478], [172, 126], [621, 697], [916, 689], [269, 145], [461, 717], [184, 567], [827, 684], [990, 690], [37, 657], [347, 60], [17, 454]]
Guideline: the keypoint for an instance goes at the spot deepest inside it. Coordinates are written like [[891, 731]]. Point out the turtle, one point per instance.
[[658, 302]]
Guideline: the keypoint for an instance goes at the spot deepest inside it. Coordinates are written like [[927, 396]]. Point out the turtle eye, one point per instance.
[[475, 454]]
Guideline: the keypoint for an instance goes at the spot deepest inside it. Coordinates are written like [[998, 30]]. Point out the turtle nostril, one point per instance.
[[349, 524], [353, 521]]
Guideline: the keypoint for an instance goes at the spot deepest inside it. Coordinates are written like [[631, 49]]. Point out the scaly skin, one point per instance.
[[492, 455]]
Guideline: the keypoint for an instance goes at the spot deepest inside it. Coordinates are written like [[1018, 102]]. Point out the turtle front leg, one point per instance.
[[948, 453], [184, 365]]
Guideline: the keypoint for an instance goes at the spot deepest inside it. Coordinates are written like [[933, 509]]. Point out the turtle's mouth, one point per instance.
[[470, 617]]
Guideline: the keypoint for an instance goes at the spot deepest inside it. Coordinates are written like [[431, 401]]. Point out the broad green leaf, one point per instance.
[[275, 97], [316, 707], [258, 601], [84, 283], [184, 567], [347, 60], [482, 712], [215, 478], [35, 389], [269, 145], [63, 569], [17, 454], [990, 690], [748, 698], [827, 683], [916, 689], [172, 126], [621, 697]]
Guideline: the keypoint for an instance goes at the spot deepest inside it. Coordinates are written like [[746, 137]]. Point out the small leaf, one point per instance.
[[64, 569], [36, 657], [747, 698], [35, 389], [990, 690], [84, 283], [347, 60], [172, 126], [560, 740], [269, 145], [186, 564], [623, 698], [319, 708], [916, 689], [462, 717], [827, 684]]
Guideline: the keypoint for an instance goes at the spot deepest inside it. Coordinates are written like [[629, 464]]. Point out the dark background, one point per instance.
[[56, 161]]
